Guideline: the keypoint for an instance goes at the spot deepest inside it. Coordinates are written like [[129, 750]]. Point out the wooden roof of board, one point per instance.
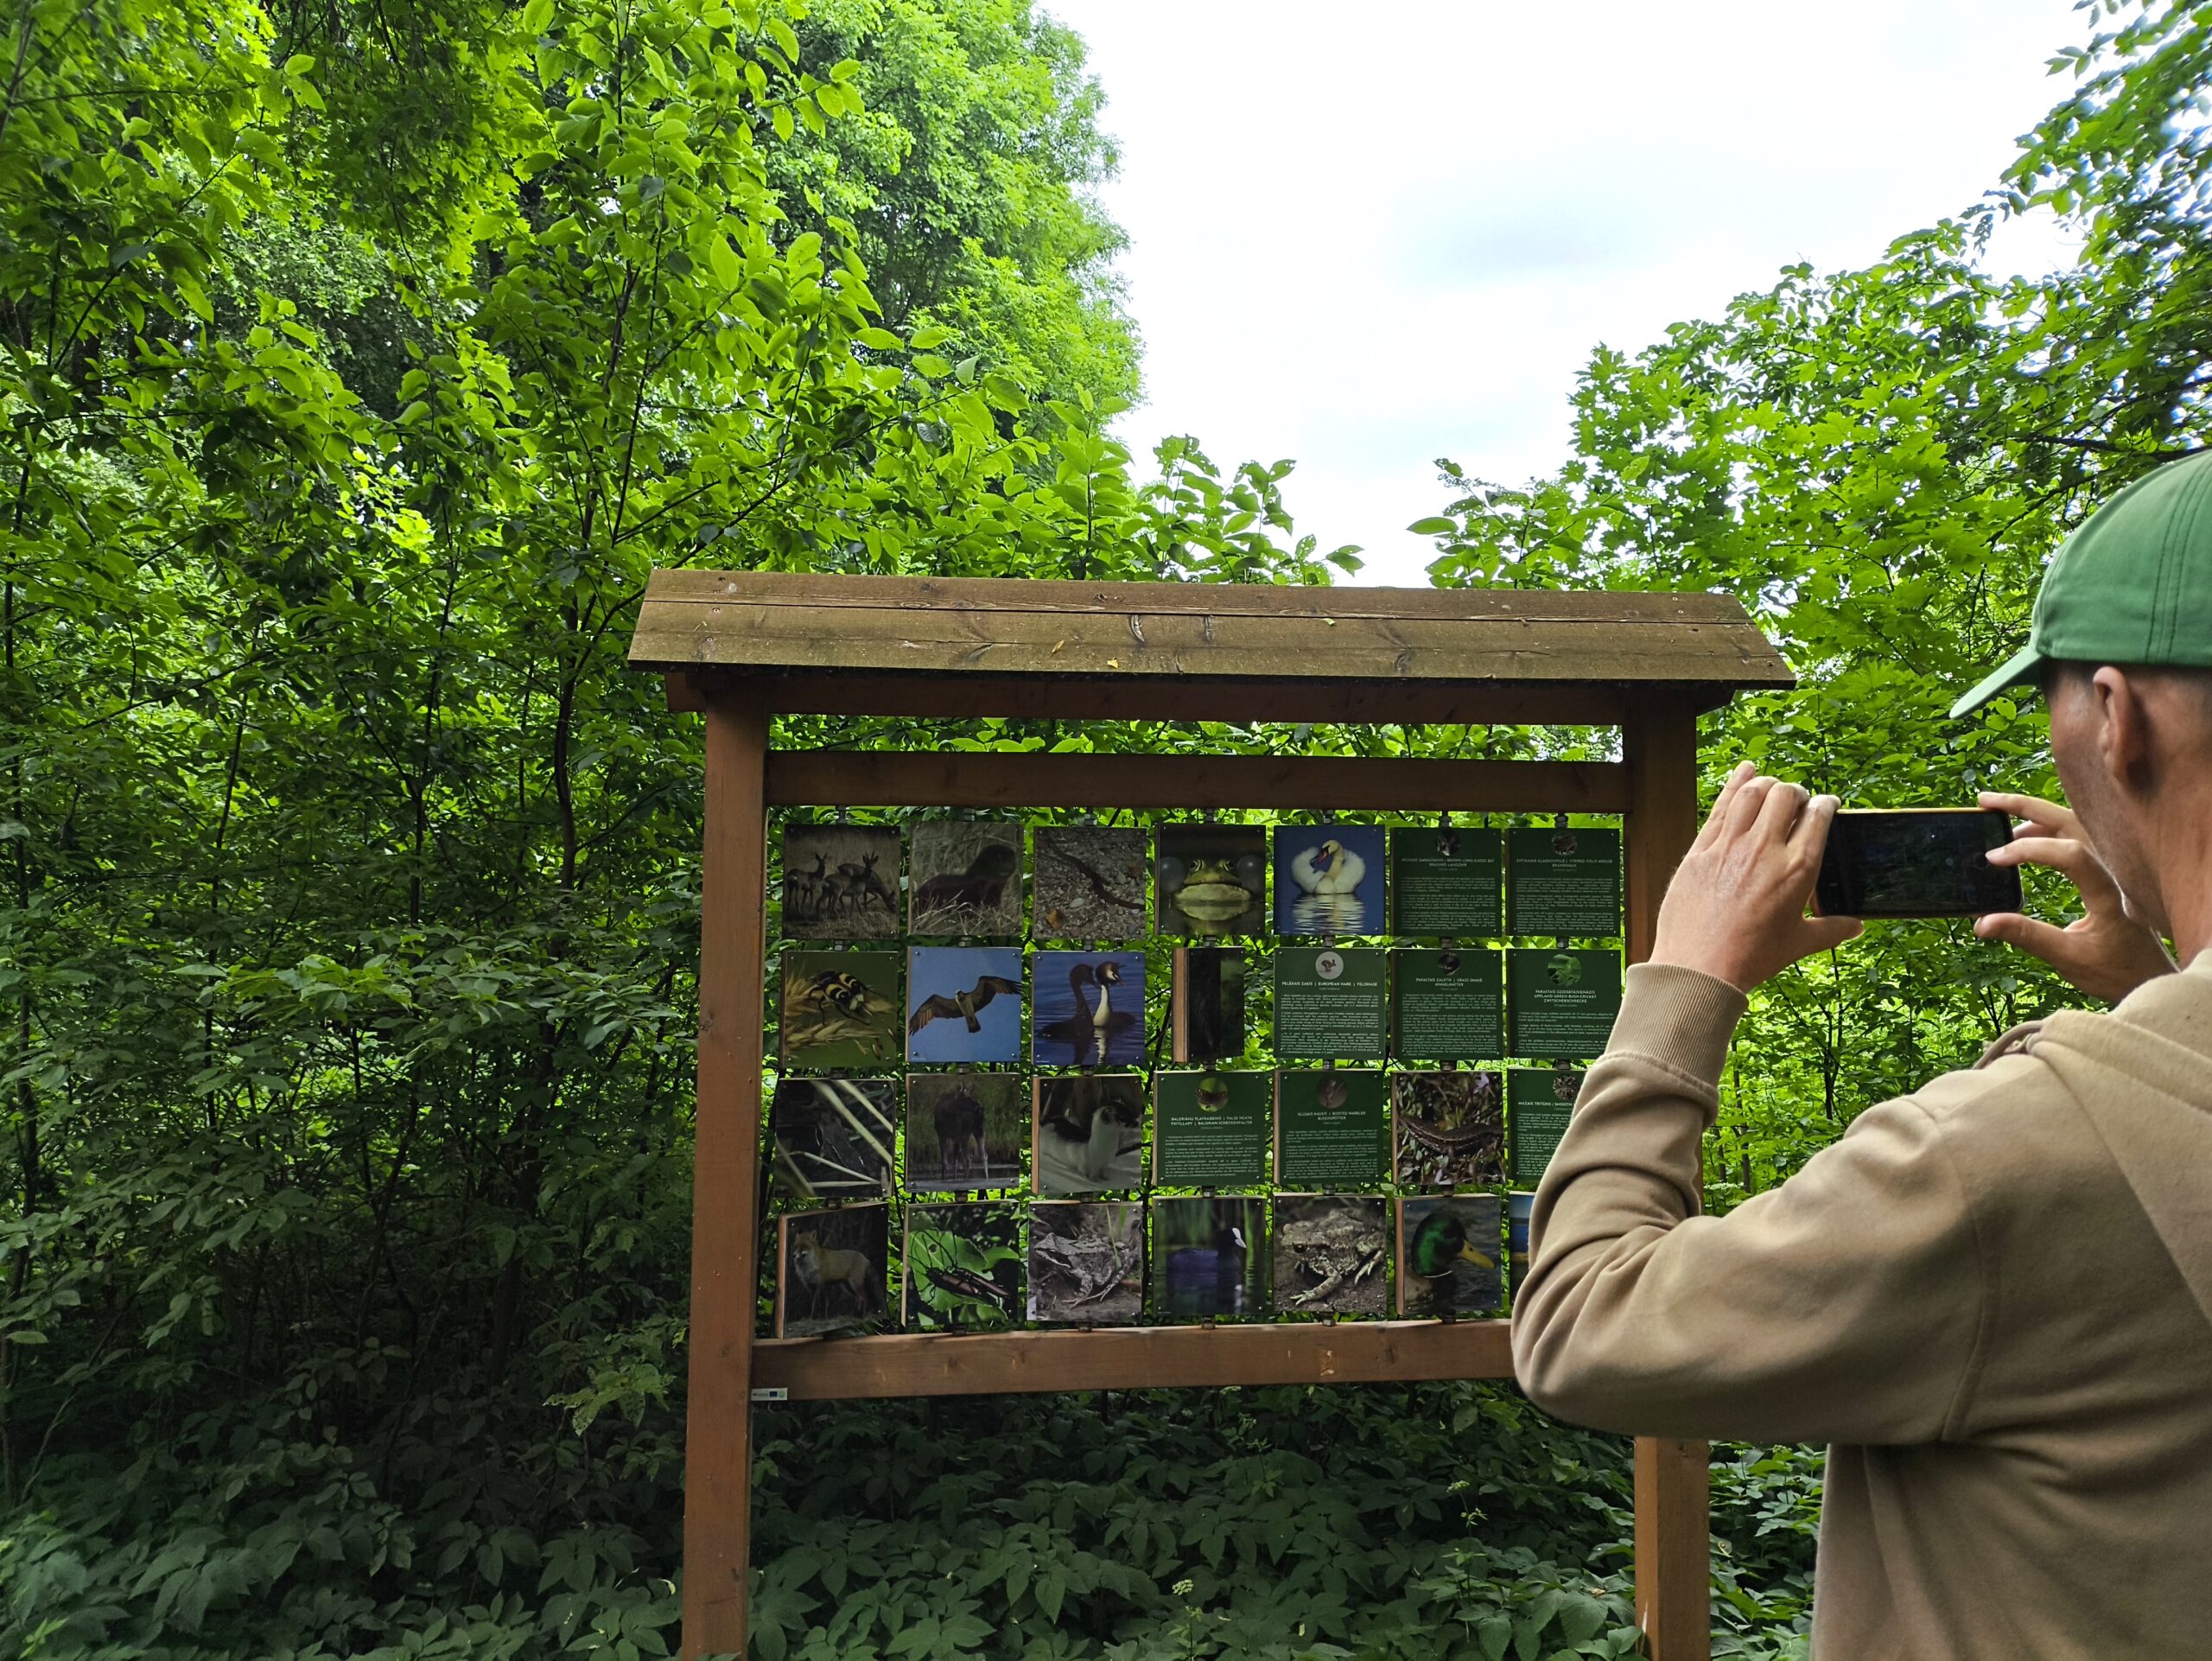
[[783, 624]]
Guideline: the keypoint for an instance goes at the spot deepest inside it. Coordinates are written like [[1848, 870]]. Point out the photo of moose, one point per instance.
[[964, 1132], [1089, 1132], [966, 880], [833, 1270], [833, 1137], [841, 882], [963, 1268]]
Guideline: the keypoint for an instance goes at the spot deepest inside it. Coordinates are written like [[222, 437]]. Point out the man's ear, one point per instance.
[[2123, 730]]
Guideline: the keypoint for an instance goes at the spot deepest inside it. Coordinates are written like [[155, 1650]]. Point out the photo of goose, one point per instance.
[[1329, 879], [1089, 1009]]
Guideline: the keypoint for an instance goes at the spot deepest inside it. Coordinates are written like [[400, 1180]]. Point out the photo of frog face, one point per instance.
[[1332, 1255], [1212, 880]]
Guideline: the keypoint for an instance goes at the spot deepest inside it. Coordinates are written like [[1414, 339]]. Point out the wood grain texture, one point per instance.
[[1134, 1358], [1231, 700], [1032, 780], [717, 1488], [1002, 627]]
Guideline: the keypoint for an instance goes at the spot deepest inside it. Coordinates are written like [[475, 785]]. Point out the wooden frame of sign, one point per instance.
[[744, 647]]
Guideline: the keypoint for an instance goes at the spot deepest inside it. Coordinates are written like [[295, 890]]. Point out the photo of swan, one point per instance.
[[963, 1003], [1329, 879], [1089, 1009]]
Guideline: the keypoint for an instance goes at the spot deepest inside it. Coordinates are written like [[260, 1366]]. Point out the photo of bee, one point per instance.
[[963, 1003], [833, 1137], [1086, 1262], [1089, 1009], [841, 882], [963, 1268], [841, 1009], [1209, 1258], [966, 879], [1331, 1255], [1090, 1133], [1328, 879], [1451, 1128], [1212, 880], [832, 1269], [1449, 1248], [964, 1132], [1090, 883]]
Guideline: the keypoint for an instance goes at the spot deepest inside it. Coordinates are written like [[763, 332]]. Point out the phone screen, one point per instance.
[[1917, 863]]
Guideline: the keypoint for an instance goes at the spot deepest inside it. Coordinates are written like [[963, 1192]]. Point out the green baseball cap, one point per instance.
[[2132, 585]]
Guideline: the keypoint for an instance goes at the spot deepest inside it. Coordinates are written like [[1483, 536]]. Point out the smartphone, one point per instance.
[[1921, 861]]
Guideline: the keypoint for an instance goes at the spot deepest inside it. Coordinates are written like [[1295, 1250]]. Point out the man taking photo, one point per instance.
[[1992, 1298]]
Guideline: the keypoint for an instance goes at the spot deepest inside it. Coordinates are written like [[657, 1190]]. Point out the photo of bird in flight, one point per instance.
[[965, 1005]]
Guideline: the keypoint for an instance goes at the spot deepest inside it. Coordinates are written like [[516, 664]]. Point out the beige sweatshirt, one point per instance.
[[1992, 1298]]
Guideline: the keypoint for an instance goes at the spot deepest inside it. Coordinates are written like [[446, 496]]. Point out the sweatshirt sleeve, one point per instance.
[[1842, 1306]]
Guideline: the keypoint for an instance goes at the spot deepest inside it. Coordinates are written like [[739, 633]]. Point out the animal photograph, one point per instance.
[[1329, 879], [833, 1270], [1449, 1251], [1086, 1262], [1211, 880], [1207, 1004], [1089, 882], [1090, 1133], [833, 1137], [1089, 1009], [1451, 1128], [840, 1011], [963, 1003], [841, 882], [1209, 1258], [964, 1132], [963, 1266], [1332, 1255], [966, 879]]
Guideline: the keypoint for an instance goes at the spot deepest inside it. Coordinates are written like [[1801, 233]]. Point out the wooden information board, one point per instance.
[[744, 647]]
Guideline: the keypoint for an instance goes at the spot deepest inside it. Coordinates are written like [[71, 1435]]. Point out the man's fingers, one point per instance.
[[2074, 859], [1826, 933], [1779, 812], [1750, 797], [1810, 833], [2042, 817], [1734, 782], [2039, 940]]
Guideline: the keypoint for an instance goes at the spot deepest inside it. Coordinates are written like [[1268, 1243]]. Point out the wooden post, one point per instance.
[[1673, 1545], [724, 1206]]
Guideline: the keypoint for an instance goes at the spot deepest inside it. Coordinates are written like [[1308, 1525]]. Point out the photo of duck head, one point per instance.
[[1450, 1250]]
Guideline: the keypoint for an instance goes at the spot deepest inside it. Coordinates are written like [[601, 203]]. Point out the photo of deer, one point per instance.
[[841, 882], [833, 1270], [964, 1132]]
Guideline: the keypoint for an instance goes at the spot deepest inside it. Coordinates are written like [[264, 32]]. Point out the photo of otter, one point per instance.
[[832, 1270], [833, 1137], [963, 1268], [1090, 883], [966, 879], [963, 1003], [1212, 880], [1449, 1249], [1089, 1130], [1332, 1255], [1089, 1009], [841, 882], [1209, 1258], [1086, 1262], [1451, 1128], [1329, 879], [840, 1011], [963, 1131]]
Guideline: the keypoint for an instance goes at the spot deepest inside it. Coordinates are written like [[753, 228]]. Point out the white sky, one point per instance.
[[1368, 236]]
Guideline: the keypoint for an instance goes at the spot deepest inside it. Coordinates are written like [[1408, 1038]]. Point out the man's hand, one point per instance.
[[2104, 951], [1736, 908]]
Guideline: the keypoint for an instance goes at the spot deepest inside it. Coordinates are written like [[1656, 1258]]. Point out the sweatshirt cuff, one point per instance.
[[1682, 1017]]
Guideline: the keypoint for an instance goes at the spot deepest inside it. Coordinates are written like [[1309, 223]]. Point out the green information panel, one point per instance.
[[1332, 1003], [1450, 1005], [1539, 1101], [1445, 881], [1565, 882], [1210, 1129], [1331, 1127], [1560, 1005]]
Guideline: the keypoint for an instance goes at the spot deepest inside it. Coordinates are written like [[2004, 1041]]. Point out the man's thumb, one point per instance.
[[1830, 931]]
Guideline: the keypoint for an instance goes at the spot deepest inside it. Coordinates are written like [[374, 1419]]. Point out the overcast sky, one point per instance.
[[1368, 236]]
